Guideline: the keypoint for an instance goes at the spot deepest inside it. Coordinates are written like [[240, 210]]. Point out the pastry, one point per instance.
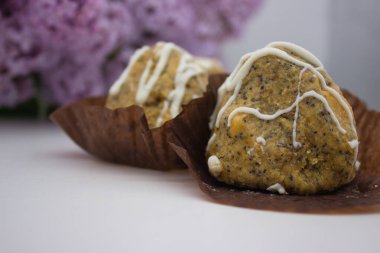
[[281, 124], [161, 79]]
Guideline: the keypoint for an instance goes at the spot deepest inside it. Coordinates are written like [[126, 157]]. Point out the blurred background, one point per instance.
[[343, 34], [55, 51]]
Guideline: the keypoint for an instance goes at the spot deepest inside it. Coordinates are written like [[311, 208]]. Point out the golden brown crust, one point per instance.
[[361, 195], [155, 102], [324, 162]]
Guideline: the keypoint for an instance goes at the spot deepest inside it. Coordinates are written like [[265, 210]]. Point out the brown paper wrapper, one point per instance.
[[123, 136], [361, 195]]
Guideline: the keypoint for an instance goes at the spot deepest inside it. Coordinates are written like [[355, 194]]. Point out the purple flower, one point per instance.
[[14, 90], [79, 47]]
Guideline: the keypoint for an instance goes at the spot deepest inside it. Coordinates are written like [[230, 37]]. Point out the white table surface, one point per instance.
[[56, 198]]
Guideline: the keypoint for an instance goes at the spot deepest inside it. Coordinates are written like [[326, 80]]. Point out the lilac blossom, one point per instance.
[[79, 47]]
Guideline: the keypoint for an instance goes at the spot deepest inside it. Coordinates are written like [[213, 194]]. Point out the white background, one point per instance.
[[55, 198], [344, 34]]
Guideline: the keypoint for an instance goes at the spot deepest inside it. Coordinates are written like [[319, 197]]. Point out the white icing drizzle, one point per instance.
[[214, 165], [241, 71], [185, 71], [208, 63], [145, 88], [145, 74], [210, 141], [188, 68], [234, 81], [162, 113], [250, 151], [115, 88], [226, 87], [261, 140], [277, 188], [307, 55], [354, 144], [357, 165], [297, 144], [319, 66], [273, 116]]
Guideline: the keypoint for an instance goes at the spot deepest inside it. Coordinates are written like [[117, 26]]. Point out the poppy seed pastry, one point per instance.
[[281, 124], [161, 79]]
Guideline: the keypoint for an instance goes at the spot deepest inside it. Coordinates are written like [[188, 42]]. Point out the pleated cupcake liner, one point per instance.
[[361, 195], [123, 136]]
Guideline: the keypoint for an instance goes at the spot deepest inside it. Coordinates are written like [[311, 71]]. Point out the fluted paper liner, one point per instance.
[[123, 136], [361, 195]]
